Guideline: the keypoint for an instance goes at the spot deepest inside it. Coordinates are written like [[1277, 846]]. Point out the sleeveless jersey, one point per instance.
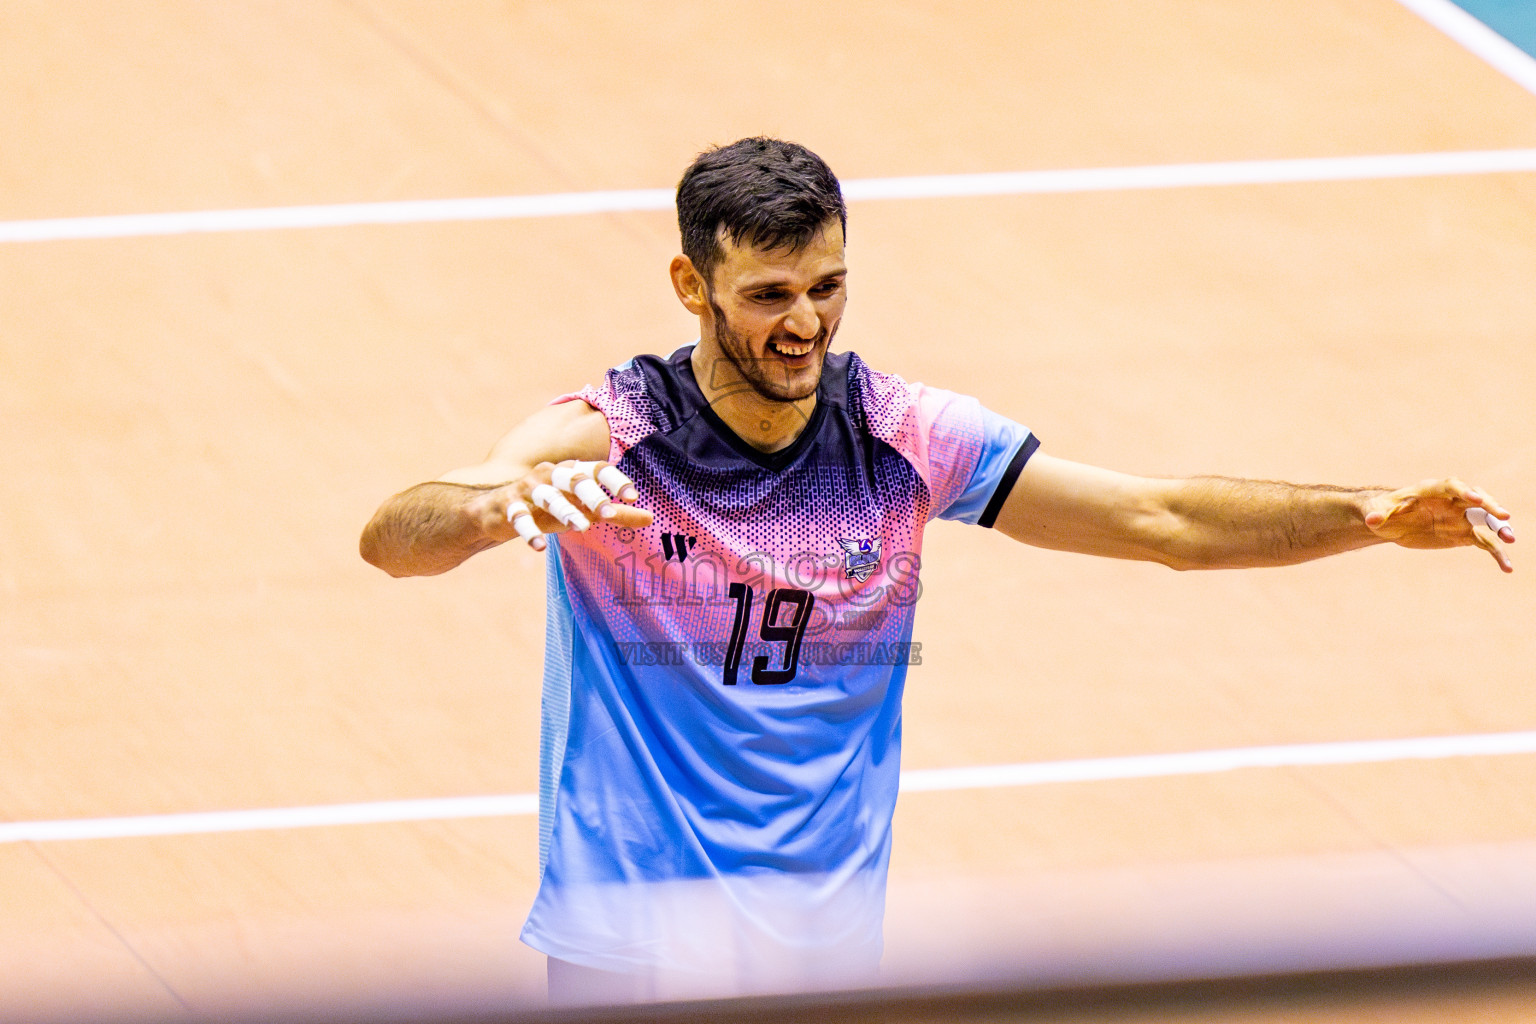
[[722, 695]]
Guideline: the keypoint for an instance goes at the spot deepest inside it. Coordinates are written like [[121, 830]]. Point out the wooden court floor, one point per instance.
[[197, 426]]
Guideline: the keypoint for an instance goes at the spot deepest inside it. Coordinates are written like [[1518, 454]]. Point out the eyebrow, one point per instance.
[[751, 285]]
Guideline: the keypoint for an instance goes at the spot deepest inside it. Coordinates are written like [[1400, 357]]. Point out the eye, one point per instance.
[[771, 295]]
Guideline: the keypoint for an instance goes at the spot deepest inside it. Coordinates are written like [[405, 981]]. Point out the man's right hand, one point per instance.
[[555, 497], [432, 527]]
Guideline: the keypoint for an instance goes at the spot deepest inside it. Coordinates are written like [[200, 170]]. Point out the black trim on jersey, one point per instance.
[[1005, 485], [774, 461], [683, 394]]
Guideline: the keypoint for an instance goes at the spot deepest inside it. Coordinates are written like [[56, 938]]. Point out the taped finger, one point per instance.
[[1502, 528], [521, 518], [567, 478], [1482, 517], [552, 501], [591, 493], [611, 478]]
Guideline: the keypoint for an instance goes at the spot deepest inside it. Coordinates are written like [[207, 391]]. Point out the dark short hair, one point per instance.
[[766, 193]]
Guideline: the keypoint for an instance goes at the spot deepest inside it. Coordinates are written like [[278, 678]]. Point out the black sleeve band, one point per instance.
[[1005, 485]]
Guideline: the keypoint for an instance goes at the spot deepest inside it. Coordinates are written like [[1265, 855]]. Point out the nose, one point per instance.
[[803, 321]]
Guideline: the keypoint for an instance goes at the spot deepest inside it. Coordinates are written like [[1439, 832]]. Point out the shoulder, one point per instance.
[[659, 389], [637, 398], [901, 412]]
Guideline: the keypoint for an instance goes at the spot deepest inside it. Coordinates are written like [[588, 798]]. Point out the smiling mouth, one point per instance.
[[790, 351]]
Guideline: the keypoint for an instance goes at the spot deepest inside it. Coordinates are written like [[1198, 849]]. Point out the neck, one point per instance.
[[767, 424]]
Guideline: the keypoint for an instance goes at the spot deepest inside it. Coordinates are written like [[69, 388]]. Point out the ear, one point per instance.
[[689, 285]]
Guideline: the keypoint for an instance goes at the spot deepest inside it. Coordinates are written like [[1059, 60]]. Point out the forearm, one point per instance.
[[425, 530], [1219, 522]]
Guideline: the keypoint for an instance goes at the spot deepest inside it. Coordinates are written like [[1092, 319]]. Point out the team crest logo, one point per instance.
[[860, 558]]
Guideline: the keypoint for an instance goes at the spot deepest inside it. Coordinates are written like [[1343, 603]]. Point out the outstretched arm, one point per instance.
[[434, 526], [1220, 523]]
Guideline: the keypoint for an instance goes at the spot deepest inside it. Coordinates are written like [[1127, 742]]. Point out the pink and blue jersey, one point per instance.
[[722, 694]]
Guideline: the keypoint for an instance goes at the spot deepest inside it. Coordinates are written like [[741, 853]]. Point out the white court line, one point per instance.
[[564, 204], [1477, 37], [1202, 762], [415, 211], [1205, 762], [322, 816]]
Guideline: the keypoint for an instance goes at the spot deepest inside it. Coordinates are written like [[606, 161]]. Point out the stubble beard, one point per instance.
[[758, 373]]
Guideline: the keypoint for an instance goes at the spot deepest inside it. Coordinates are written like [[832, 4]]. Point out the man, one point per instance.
[[732, 591]]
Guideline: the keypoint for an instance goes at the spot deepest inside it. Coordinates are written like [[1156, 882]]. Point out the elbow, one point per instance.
[[374, 552], [402, 562], [1188, 557], [369, 549], [420, 540], [1169, 539], [1186, 543], [1180, 564], [1178, 560], [1186, 554]]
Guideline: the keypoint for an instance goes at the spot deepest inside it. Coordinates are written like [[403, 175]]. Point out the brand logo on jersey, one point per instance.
[[860, 558], [678, 544]]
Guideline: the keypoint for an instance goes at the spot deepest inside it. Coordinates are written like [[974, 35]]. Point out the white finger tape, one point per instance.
[[564, 476], [590, 493], [552, 501], [521, 518], [611, 478], [1482, 517]]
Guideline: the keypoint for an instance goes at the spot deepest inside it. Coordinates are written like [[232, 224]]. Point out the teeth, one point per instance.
[[792, 350]]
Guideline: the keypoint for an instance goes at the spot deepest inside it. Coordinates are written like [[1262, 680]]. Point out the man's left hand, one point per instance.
[[1433, 514]]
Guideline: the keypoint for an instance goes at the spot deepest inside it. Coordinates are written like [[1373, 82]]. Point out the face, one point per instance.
[[773, 313]]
